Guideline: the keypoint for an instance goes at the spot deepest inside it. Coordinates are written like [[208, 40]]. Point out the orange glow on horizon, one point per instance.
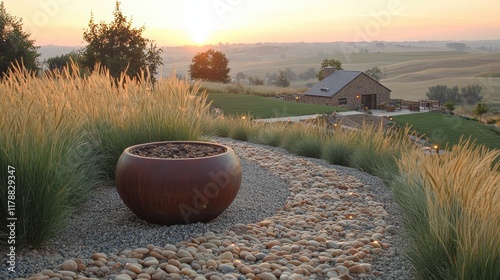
[[201, 22]]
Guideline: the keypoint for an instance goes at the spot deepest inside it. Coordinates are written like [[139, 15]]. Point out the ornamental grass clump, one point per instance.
[[55, 159], [452, 212], [269, 134], [376, 150], [339, 148], [136, 112], [239, 128]]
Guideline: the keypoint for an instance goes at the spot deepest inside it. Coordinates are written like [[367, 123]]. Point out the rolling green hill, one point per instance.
[[264, 107], [447, 129]]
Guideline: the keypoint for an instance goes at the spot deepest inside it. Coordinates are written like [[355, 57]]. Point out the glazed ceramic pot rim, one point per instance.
[[201, 143]]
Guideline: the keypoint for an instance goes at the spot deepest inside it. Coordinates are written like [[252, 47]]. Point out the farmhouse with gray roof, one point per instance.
[[350, 89]]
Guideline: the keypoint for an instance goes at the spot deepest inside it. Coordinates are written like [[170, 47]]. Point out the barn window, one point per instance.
[[342, 101]]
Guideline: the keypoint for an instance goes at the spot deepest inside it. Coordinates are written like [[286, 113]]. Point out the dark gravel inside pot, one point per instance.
[[178, 150]]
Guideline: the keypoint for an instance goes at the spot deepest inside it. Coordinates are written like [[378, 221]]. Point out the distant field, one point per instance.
[[410, 67], [445, 129], [262, 107], [493, 74], [412, 79]]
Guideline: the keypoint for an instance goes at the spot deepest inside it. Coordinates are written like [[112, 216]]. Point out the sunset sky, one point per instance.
[[187, 22]]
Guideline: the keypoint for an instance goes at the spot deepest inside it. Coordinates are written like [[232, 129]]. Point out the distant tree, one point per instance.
[[308, 74], [240, 76], [480, 109], [272, 78], [449, 106], [444, 94], [255, 80], [380, 45], [210, 66], [328, 62], [375, 73], [59, 62], [282, 80], [15, 45], [453, 95], [120, 47], [471, 94], [459, 47], [290, 74]]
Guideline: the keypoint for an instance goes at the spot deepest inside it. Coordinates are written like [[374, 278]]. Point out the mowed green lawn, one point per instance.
[[446, 129], [262, 107]]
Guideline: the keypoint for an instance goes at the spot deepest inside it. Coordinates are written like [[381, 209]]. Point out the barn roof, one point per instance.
[[333, 83]]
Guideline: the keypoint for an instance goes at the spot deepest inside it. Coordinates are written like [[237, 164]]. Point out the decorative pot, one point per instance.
[[166, 190], [390, 108]]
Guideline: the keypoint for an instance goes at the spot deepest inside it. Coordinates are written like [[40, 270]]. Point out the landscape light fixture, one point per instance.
[[297, 99], [436, 147]]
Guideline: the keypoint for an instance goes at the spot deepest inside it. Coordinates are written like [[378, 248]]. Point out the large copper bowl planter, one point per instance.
[[178, 190]]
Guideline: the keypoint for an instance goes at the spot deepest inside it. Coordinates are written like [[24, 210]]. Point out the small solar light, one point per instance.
[[436, 147]]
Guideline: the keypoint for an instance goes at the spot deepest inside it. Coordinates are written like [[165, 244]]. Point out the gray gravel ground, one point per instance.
[[104, 224]]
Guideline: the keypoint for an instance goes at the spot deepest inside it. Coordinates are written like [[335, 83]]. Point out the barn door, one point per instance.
[[369, 101]]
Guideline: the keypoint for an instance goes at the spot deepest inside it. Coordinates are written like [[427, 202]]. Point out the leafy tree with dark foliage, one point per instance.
[[61, 61], [328, 62], [480, 109], [375, 73], [282, 79], [471, 94], [120, 47], [459, 47], [290, 74], [308, 74], [240, 76], [15, 44], [256, 80], [444, 94], [272, 78], [210, 66], [449, 107]]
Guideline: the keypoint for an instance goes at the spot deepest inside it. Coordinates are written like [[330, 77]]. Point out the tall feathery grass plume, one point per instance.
[[65, 130], [452, 212]]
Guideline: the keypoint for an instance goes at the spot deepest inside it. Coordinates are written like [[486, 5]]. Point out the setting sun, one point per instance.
[[235, 21], [198, 23], [199, 35]]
